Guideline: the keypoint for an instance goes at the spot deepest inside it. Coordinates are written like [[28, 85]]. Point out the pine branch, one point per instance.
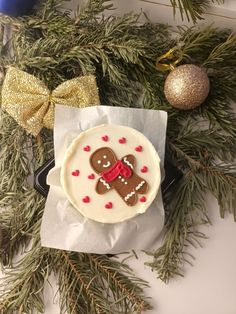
[[202, 143], [22, 212], [216, 178], [130, 287], [223, 55], [185, 209], [224, 81], [99, 284], [14, 165], [219, 113], [22, 287], [182, 223], [220, 180], [187, 212], [4, 241], [84, 280], [21, 205], [192, 9], [197, 43], [92, 9]]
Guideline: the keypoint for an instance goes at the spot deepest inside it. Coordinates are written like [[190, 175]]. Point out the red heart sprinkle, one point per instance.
[[139, 148], [109, 205], [143, 199], [87, 148], [75, 173], [86, 199], [91, 176], [144, 169], [105, 138], [122, 140]]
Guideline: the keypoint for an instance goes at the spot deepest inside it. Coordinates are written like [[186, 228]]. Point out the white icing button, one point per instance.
[[126, 182], [119, 177], [122, 179]]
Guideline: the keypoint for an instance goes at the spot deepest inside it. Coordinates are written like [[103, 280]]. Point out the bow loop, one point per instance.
[[32, 104]]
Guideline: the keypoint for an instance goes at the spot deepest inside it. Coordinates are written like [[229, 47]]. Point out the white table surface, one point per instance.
[[209, 287]]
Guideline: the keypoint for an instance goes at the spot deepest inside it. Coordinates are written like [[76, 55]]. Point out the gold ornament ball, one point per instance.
[[187, 86]]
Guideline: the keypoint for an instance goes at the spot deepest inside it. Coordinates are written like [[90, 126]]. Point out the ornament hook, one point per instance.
[[169, 60]]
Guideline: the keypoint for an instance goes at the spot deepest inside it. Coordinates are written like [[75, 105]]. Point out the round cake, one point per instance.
[[111, 173]]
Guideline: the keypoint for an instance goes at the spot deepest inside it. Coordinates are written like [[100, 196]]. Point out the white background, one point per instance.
[[209, 287]]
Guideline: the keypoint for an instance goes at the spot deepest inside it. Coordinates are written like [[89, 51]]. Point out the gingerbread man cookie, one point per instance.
[[111, 173], [117, 174]]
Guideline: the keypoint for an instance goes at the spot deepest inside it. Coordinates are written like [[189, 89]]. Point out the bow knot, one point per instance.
[[117, 169], [31, 104]]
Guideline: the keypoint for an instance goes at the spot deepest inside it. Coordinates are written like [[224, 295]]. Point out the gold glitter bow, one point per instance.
[[31, 104]]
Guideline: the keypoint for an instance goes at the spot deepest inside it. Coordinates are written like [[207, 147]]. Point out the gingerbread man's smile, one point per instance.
[[107, 165]]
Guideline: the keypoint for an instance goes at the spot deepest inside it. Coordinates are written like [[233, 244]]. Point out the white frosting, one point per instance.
[[140, 185], [128, 196], [105, 183], [128, 163], [77, 188], [107, 165]]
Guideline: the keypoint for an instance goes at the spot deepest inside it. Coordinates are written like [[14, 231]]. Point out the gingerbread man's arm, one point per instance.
[[102, 186], [129, 160]]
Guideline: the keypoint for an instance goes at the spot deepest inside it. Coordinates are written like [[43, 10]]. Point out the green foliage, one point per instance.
[[186, 213], [55, 46], [192, 9], [99, 279], [25, 282]]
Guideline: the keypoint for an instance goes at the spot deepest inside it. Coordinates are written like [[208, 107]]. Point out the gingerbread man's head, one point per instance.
[[102, 159]]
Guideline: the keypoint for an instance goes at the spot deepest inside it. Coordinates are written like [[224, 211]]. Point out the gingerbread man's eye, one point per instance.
[[99, 161], [104, 156]]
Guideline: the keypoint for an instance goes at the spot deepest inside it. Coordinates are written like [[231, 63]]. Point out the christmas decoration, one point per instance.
[[187, 86], [119, 52], [31, 104]]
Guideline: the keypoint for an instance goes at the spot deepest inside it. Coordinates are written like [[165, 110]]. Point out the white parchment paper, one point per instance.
[[63, 227]]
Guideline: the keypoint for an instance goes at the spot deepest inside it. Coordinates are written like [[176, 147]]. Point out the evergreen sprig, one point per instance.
[[121, 52], [192, 9], [25, 282], [186, 212], [109, 285]]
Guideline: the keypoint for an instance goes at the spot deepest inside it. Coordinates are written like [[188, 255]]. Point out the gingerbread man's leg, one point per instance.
[[139, 184], [131, 198], [125, 190]]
